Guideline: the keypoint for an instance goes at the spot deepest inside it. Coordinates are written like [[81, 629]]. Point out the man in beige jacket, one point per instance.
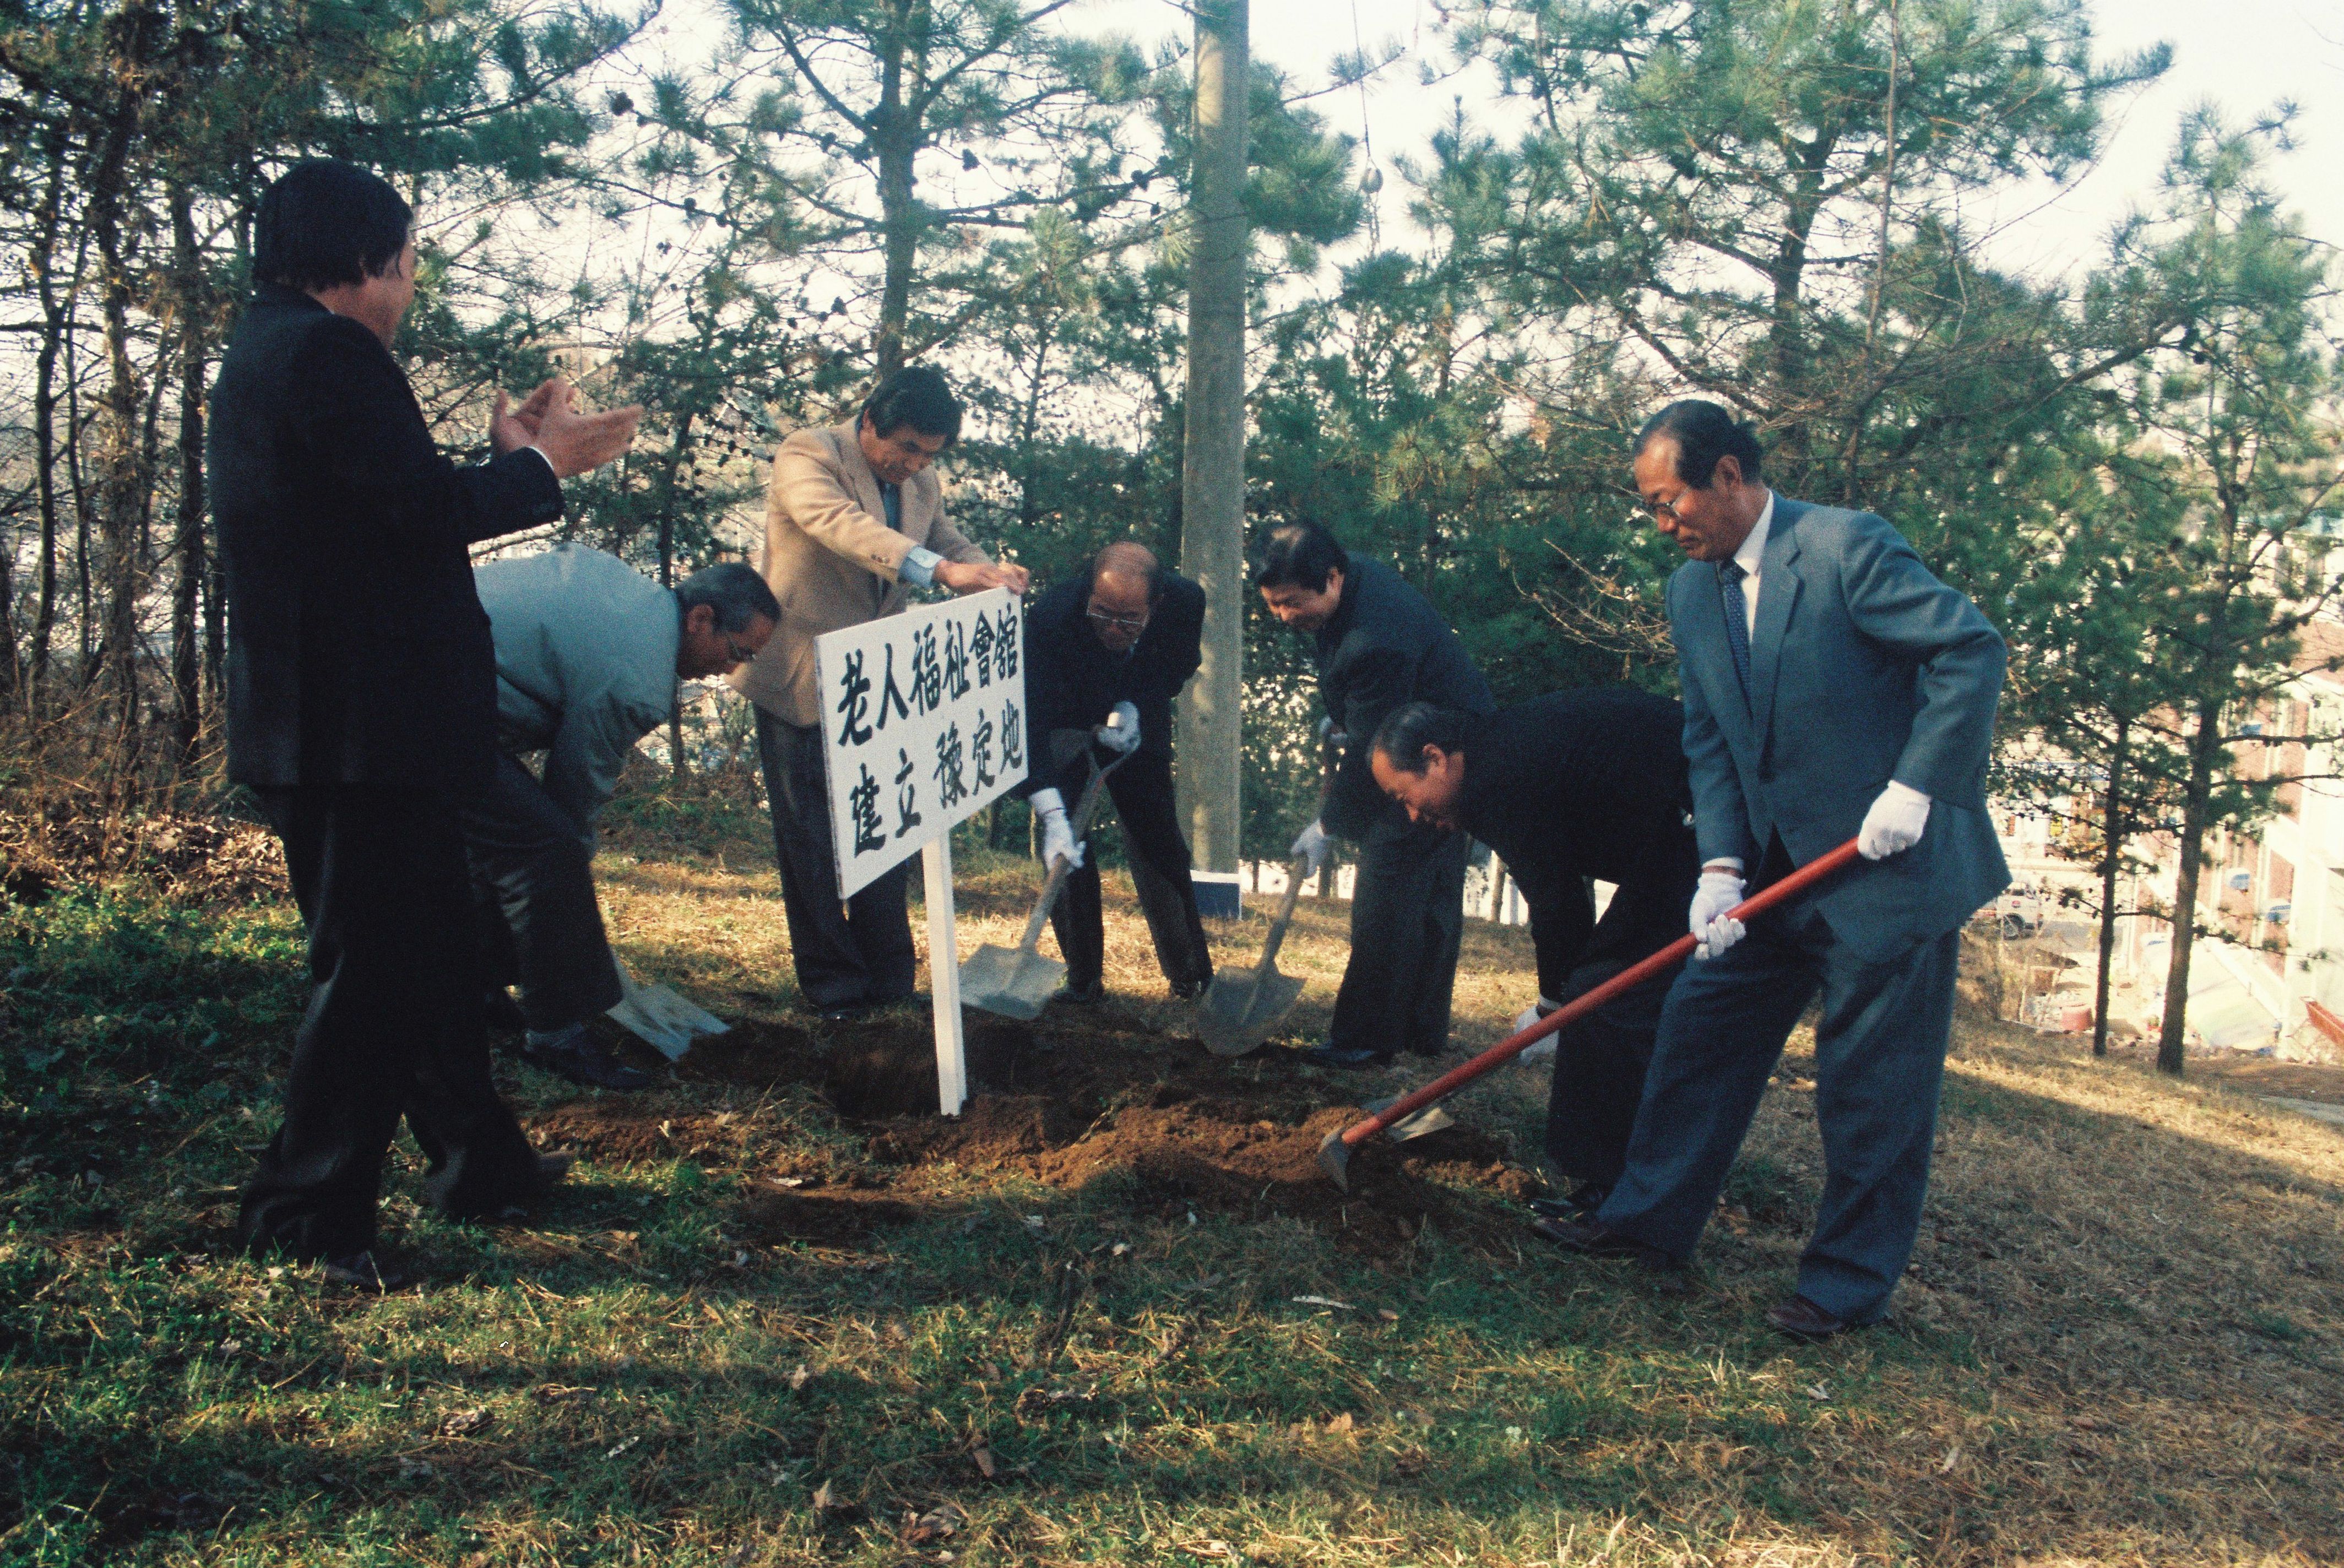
[[854, 521]]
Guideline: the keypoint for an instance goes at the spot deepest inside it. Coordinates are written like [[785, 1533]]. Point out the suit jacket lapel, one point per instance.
[[865, 485], [1778, 591], [1708, 624]]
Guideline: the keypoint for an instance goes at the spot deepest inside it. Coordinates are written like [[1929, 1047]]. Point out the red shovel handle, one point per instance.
[[1627, 979]]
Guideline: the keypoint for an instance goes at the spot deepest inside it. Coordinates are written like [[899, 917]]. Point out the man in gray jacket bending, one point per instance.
[[589, 653]]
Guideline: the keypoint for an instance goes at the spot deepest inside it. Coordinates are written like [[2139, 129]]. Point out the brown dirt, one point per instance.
[[1066, 1101], [836, 1217]]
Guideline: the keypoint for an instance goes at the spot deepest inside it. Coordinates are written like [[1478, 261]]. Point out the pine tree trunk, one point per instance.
[[2112, 842], [45, 409], [2204, 747], [188, 544], [122, 480], [896, 137]]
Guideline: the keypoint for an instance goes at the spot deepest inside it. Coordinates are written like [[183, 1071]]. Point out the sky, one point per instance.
[[2244, 54]]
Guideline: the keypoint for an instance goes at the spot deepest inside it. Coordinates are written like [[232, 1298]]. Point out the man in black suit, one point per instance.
[[362, 704], [1128, 635], [1379, 644], [1574, 785]]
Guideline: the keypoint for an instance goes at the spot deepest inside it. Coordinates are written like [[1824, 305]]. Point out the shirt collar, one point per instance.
[[1753, 548]]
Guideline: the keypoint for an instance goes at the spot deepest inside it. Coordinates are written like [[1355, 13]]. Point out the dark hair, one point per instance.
[[1703, 432], [1407, 728], [734, 591], [915, 396], [326, 222], [1300, 555], [1129, 557]]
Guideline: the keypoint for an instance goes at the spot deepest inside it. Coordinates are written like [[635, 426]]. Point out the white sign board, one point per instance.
[[924, 717]]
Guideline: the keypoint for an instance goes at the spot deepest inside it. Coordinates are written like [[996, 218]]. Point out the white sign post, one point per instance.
[[924, 721]]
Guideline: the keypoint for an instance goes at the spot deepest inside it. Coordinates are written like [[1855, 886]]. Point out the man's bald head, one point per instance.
[[1125, 582], [1127, 559]]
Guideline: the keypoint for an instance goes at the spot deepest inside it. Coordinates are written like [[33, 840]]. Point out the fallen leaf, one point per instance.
[[793, 1181], [1340, 1423], [825, 1500], [1817, 1392], [1119, 1249], [985, 1464], [1409, 1464], [934, 1525], [1953, 1458], [800, 1376], [1387, 1314], [465, 1421], [1322, 1301]]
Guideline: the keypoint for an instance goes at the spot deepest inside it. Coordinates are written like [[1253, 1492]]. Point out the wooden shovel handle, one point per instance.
[[1579, 1006], [1085, 809]]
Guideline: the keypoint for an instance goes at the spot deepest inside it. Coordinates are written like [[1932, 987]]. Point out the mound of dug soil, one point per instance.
[[1069, 1100], [1069, 1103]]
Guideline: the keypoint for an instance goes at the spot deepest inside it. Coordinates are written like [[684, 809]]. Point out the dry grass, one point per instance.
[[2120, 1343]]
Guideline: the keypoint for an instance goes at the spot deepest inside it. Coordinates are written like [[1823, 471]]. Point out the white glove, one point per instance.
[[1893, 822], [1312, 847], [1719, 891], [1538, 1050], [1058, 833], [1121, 732]]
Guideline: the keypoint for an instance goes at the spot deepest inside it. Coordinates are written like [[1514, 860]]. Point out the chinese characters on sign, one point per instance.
[[925, 721]]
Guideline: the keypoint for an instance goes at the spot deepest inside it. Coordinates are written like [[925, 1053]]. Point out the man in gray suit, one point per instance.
[[1832, 689]]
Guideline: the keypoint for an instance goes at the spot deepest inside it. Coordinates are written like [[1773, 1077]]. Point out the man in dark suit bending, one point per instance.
[[1127, 634], [1569, 786], [362, 704]]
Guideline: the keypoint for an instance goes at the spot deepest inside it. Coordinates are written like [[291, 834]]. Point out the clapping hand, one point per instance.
[[574, 443]]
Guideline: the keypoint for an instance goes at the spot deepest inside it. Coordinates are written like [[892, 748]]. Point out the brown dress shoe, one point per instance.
[[1803, 1320]]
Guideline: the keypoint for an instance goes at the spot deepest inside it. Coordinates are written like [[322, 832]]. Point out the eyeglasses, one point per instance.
[[1666, 510], [733, 651], [1121, 622]]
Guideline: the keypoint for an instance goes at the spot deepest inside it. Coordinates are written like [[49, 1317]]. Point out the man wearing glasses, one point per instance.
[[1125, 634], [589, 653]]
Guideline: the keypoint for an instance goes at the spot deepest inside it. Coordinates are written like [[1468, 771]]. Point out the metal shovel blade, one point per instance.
[[1432, 1118], [1240, 1010], [1015, 982]]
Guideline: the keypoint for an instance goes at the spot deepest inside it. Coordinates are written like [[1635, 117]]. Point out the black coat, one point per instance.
[[1384, 646], [358, 649], [1587, 783], [1072, 680]]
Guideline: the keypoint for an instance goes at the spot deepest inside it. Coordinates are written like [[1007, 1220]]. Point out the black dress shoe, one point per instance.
[[844, 1012], [1349, 1058], [1594, 1238], [1803, 1320], [1189, 990], [364, 1271], [1074, 996], [583, 1059], [1580, 1204]]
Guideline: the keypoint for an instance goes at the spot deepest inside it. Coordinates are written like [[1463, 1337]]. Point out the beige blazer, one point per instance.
[[832, 560]]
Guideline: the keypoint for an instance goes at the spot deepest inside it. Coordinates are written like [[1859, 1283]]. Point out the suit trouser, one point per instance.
[[541, 928], [1880, 1055], [1600, 1061], [1145, 806], [856, 951], [393, 1027], [1407, 914]]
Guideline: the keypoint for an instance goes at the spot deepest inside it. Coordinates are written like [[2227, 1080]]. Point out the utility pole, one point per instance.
[[1212, 469]]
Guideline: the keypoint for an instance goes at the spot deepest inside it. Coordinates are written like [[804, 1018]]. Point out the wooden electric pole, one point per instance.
[[1212, 471]]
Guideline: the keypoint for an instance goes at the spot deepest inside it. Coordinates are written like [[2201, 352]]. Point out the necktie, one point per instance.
[[1737, 619]]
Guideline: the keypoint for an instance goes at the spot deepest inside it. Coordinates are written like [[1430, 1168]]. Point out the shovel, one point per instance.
[[1017, 981], [660, 1018], [1239, 1010], [1335, 1154]]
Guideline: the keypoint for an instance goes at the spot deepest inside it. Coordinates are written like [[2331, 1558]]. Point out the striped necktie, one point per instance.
[[1737, 619]]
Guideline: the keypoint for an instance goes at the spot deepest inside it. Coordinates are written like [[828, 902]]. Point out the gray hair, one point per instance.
[[733, 590]]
